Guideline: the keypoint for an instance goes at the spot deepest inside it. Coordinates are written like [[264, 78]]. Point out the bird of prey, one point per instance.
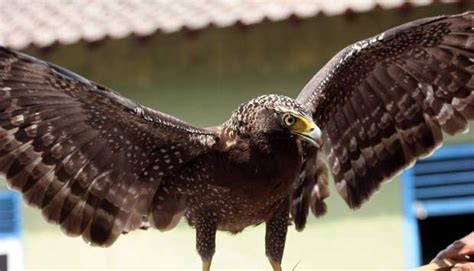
[[99, 164]]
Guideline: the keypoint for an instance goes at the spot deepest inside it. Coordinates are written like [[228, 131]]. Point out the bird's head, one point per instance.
[[278, 115]]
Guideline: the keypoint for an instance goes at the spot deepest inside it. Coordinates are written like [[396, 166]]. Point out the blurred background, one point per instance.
[[198, 60]]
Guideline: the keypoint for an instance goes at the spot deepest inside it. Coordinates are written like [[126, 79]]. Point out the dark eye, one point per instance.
[[289, 120]]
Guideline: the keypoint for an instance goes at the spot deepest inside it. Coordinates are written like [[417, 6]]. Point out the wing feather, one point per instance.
[[383, 102], [91, 159], [310, 190]]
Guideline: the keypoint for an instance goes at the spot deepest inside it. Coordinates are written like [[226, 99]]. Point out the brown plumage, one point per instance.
[[100, 165], [384, 102]]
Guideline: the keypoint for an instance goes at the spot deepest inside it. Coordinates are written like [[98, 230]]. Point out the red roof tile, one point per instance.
[[44, 22]]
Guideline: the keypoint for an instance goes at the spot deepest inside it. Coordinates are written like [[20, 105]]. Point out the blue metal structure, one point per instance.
[[11, 251], [10, 215], [441, 185]]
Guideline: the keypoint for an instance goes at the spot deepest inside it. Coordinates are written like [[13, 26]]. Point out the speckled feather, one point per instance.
[[383, 102], [91, 159], [243, 120], [100, 164]]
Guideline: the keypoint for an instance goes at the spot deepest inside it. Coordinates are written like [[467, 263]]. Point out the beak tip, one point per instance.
[[319, 142], [313, 138], [315, 135]]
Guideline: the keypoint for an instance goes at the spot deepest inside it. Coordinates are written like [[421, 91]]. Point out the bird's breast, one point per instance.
[[249, 184]]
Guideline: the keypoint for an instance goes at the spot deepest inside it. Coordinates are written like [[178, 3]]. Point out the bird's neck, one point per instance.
[[272, 143], [229, 137]]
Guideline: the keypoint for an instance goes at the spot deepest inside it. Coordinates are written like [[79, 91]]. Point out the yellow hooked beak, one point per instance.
[[301, 125], [308, 131]]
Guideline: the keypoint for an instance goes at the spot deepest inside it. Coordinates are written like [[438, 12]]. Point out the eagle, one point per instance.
[[100, 165]]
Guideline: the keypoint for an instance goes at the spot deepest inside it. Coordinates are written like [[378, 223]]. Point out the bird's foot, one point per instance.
[[275, 265]]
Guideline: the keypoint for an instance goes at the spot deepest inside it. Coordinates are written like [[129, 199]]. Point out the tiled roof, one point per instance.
[[41, 23]]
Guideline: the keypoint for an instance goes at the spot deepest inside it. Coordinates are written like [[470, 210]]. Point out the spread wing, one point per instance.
[[383, 102], [91, 159]]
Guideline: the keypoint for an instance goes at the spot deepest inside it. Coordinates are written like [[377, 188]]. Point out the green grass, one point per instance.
[[372, 243], [369, 239]]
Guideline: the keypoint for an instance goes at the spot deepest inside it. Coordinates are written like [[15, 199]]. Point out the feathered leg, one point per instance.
[[206, 227], [275, 236]]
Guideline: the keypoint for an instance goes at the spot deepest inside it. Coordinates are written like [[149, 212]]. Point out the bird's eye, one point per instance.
[[289, 120]]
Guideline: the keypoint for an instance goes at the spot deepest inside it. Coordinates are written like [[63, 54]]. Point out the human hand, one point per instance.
[[461, 252]]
